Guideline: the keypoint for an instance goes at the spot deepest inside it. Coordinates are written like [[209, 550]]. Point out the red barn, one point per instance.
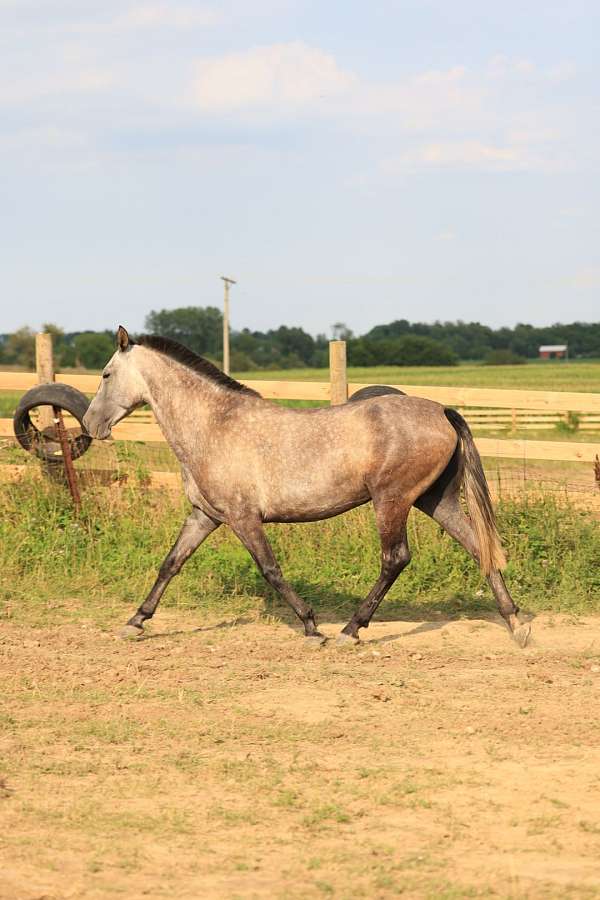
[[554, 351]]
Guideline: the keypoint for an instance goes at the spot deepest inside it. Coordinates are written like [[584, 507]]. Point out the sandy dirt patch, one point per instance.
[[229, 761]]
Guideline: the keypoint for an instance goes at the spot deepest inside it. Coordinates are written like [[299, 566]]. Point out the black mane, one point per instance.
[[191, 360]]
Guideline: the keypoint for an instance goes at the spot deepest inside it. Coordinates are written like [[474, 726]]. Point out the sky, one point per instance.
[[343, 161]]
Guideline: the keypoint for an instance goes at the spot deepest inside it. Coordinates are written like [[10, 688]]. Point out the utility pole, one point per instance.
[[227, 282]]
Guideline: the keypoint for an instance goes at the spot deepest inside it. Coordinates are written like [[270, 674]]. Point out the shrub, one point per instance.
[[504, 358], [570, 424]]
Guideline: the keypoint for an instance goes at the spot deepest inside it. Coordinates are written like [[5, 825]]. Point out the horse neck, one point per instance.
[[179, 396]]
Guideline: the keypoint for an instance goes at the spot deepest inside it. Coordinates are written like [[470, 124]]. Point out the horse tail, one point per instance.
[[477, 495]]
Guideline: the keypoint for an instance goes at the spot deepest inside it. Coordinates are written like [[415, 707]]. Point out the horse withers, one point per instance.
[[247, 461]]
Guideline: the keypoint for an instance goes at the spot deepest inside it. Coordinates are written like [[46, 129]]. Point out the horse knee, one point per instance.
[[272, 573], [394, 559], [170, 567]]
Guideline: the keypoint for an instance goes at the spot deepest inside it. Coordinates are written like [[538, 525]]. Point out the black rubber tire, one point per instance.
[[374, 390], [29, 437]]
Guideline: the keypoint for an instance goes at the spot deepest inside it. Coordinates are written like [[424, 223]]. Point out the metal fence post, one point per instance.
[[52, 417]]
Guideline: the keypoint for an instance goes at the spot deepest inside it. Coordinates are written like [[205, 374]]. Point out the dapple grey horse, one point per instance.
[[246, 461]]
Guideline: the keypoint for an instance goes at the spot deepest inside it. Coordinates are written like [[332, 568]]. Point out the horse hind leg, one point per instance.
[[443, 505], [395, 556]]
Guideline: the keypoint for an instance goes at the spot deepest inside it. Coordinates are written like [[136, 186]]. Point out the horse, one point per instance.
[[247, 461]]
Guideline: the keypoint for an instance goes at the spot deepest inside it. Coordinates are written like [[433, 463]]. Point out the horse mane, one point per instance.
[[191, 360]]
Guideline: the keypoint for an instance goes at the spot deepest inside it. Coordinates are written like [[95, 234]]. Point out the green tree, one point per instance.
[[362, 352], [62, 349], [93, 349], [409, 350], [282, 348], [341, 332], [199, 328], [19, 348], [293, 342], [241, 362]]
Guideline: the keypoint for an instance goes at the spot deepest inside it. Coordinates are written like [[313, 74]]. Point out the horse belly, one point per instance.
[[309, 497]]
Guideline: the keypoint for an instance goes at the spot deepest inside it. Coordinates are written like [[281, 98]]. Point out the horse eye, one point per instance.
[[106, 374]]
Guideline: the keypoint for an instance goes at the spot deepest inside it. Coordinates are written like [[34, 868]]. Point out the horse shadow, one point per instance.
[[336, 607]]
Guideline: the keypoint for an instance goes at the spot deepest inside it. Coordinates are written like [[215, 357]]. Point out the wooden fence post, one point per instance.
[[337, 372], [44, 366]]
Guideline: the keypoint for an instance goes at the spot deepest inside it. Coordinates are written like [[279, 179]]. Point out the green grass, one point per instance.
[[110, 556], [8, 403]]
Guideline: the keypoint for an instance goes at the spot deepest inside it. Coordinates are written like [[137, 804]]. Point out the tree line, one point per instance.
[[399, 343]]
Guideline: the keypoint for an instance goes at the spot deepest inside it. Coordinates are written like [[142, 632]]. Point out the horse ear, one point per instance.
[[122, 338]]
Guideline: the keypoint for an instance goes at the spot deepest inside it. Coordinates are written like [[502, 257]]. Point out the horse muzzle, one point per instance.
[[99, 430]]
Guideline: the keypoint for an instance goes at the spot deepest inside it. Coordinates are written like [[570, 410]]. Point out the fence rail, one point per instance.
[[485, 409], [486, 398], [492, 398]]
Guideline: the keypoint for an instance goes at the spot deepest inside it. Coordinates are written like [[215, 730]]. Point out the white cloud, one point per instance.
[[473, 155], [276, 77], [98, 16], [587, 278], [455, 154], [43, 148], [505, 67], [502, 116], [426, 100], [75, 81], [159, 15], [50, 137], [466, 119]]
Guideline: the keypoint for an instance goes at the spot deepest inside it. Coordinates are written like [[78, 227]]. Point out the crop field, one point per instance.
[[219, 757], [572, 375]]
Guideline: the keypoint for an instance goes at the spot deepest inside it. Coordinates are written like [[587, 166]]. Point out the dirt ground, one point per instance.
[[436, 760]]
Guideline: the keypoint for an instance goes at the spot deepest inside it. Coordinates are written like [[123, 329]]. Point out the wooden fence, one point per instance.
[[484, 408]]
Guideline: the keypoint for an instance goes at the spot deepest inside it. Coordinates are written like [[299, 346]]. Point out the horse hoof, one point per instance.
[[347, 640], [521, 634], [131, 632], [314, 641]]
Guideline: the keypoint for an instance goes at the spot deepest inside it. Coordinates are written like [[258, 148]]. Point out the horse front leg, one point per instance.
[[196, 529], [252, 535]]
